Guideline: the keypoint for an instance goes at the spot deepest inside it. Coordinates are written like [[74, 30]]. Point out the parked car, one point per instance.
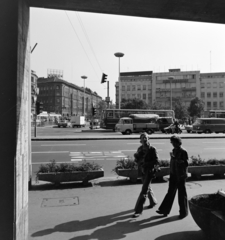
[[63, 123], [189, 128]]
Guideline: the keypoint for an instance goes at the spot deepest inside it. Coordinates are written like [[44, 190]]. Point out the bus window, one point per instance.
[[110, 114]]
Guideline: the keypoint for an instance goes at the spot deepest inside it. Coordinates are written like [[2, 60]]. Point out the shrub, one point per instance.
[[68, 167], [125, 163]]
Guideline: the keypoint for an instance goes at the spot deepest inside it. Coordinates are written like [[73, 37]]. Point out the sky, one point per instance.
[[83, 44]]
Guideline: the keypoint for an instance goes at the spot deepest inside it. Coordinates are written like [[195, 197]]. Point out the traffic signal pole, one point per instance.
[[108, 93], [35, 125]]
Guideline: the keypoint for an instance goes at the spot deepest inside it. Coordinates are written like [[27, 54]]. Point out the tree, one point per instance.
[[156, 106], [180, 109], [196, 107], [134, 103]]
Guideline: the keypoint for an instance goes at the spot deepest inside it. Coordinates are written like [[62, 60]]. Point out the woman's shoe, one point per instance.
[[151, 206], [161, 213]]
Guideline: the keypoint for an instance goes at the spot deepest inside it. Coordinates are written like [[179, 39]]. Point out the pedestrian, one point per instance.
[[178, 176], [147, 160]]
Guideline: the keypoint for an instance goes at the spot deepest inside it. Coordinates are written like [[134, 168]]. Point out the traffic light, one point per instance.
[[94, 110], [39, 107], [104, 77]]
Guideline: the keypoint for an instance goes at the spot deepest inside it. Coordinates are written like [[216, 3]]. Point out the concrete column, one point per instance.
[[15, 119]]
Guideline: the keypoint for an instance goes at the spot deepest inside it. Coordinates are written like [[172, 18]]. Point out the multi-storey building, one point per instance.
[[62, 97], [159, 87], [135, 85], [213, 90], [34, 90]]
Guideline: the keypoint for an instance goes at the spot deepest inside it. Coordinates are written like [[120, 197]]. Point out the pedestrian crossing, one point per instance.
[[112, 155]]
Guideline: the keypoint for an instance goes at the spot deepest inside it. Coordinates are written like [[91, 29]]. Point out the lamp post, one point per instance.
[[171, 101], [119, 55], [84, 77]]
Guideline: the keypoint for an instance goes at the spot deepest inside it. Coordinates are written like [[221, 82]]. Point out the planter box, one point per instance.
[[133, 175], [70, 176], [211, 222], [197, 171]]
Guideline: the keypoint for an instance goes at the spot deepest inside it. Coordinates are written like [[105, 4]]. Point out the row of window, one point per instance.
[[135, 80], [215, 104], [189, 76], [175, 85], [208, 94], [213, 84], [135, 87], [188, 94], [139, 95]]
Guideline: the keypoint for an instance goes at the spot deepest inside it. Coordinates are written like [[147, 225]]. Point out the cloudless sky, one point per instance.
[[84, 44]]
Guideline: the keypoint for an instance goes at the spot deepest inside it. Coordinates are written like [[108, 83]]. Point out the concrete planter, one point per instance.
[[70, 176], [197, 171], [133, 175], [211, 222]]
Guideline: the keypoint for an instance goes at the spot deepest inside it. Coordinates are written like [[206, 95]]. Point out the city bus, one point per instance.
[[216, 113], [110, 117]]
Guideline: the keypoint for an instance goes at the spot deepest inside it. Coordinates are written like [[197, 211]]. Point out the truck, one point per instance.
[[136, 123], [77, 121]]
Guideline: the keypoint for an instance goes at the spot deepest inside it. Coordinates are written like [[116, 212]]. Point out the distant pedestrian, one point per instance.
[[147, 159], [178, 176]]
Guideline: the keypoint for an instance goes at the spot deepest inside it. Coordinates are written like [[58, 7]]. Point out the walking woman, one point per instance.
[[178, 176], [147, 159]]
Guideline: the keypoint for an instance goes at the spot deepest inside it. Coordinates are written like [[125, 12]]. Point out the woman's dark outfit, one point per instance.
[[147, 159], [178, 176]]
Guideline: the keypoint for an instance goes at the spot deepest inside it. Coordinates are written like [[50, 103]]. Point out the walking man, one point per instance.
[[178, 176], [147, 159]]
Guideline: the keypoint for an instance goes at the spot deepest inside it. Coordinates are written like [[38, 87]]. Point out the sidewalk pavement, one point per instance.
[[103, 209]]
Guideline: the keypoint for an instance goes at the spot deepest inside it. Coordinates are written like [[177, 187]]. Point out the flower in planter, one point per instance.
[[68, 167]]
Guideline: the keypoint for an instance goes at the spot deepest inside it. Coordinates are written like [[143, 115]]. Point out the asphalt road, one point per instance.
[[107, 152]]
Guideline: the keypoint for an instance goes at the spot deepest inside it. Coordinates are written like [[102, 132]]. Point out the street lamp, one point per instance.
[[171, 101], [119, 55], [84, 77]]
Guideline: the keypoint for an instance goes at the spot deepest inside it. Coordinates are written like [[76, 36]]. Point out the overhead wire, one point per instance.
[[81, 43]]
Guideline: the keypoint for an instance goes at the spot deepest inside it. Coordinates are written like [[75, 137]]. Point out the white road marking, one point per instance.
[[75, 144], [136, 150], [215, 142], [140, 144], [52, 152], [214, 148]]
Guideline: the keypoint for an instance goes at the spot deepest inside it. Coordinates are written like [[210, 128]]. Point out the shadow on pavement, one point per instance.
[[51, 186], [115, 226], [189, 235]]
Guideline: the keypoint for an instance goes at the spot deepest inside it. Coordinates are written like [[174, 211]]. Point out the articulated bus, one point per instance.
[[216, 113], [110, 117]]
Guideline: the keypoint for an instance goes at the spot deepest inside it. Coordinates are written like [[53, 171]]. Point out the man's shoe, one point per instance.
[[136, 215], [161, 213]]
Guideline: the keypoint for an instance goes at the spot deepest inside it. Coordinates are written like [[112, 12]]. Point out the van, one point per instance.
[[136, 123], [209, 125]]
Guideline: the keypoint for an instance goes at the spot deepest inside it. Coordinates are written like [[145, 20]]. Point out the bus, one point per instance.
[[110, 117], [216, 113]]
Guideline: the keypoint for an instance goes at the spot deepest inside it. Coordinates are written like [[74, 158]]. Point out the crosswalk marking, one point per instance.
[[79, 156]]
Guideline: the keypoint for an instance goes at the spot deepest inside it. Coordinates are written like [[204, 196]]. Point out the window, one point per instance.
[[214, 104], [221, 94], [221, 84], [202, 95], [128, 87], [57, 87], [215, 94], [149, 96], [208, 104], [208, 85], [208, 94], [123, 88], [139, 95], [221, 104], [133, 95], [144, 87], [144, 95], [138, 87], [215, 85], [133, 88]]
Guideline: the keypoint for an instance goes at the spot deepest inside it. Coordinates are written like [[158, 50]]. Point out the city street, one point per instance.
[[107, 152]]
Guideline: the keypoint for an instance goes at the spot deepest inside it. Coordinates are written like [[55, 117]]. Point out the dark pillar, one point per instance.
[[14, 120]]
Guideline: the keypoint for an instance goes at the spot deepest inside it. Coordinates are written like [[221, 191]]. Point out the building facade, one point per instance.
[[164, 88], [34, 90], [67, 99]]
